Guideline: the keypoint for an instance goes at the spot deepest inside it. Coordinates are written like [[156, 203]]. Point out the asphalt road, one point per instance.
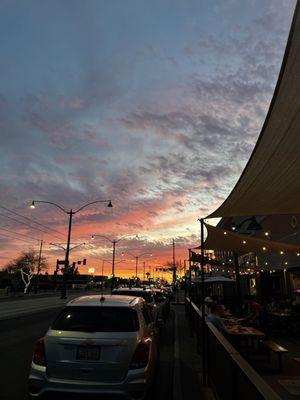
[[17, 338]]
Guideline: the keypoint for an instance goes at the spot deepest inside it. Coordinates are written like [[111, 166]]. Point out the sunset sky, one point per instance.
[[155, 105]]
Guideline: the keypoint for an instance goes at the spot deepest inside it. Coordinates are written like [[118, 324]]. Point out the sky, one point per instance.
[[156, 105]]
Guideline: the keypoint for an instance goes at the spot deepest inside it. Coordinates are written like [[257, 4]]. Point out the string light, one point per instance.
[[264, 248], [244, 242]]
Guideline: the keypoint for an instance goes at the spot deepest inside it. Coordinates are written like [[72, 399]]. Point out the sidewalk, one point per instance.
[[187, 376]]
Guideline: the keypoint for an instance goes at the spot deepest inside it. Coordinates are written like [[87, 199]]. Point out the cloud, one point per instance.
[[163, 126]]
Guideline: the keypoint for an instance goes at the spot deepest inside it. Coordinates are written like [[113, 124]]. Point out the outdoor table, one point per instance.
[[232, 321], [281, 314], [251, 336]]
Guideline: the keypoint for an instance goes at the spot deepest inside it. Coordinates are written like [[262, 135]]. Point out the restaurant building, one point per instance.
[[268, 275]]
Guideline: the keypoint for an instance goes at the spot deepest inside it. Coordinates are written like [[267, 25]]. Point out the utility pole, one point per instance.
[[174, 265], [144, 267], [66, 267], [136, 264], [38, 267], [102, 272], [204, 349], [113, 265]]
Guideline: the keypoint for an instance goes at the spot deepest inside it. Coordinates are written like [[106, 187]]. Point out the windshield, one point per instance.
[[97, 319]]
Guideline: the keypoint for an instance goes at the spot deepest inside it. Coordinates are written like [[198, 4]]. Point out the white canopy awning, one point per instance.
[[270, 182]]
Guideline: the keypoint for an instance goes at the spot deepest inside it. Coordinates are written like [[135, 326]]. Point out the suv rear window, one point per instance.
[[97, 319], [147, 296]]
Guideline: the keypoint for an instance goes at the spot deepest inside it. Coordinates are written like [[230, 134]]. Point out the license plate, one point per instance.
[[91, 353]]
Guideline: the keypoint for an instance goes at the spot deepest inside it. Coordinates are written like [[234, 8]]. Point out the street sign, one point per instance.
[[60, 262]]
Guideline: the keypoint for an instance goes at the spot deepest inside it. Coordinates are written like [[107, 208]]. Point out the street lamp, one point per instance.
[[137, 260], [113, 277], [113, 241], [70, 214]]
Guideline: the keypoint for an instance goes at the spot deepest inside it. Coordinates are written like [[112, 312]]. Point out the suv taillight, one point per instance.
[[141, 356], [39, 354]]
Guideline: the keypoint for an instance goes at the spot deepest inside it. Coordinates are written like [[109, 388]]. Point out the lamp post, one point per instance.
[[113, 277], [137, 260], [70, 214], [174, 265], [114, 242]]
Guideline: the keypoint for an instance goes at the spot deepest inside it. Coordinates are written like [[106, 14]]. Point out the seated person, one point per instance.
[[223, 311], [208, 302], [214, 317], [255, 311]]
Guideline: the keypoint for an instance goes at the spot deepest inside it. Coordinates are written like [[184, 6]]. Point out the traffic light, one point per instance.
[[84, 261]]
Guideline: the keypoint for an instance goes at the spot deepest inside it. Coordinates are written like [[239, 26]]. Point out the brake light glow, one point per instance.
[[39, 354], [141, 356]]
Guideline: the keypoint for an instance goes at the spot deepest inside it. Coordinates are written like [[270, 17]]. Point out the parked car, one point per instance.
[[99, 345], [163, 301], [147, 295], [169, 291]]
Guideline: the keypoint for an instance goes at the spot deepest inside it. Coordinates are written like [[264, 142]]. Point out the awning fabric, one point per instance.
[[270, 182], [226, 240]]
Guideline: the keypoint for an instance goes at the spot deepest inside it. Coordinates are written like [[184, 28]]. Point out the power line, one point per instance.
[[30, 226], [13, 237], [31, 220], [17, 233]]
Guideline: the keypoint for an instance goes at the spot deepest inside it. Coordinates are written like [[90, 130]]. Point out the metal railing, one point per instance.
[[229, 374]]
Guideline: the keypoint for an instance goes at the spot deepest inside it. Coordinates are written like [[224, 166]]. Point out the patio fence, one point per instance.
[[228, 373]]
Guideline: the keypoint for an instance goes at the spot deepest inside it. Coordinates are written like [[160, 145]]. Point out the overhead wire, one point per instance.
[[17, 233], [30, 226], [31, 220], [14, 237]]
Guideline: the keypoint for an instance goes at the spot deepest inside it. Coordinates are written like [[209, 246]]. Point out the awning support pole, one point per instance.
[[204, 354], [237, 281]]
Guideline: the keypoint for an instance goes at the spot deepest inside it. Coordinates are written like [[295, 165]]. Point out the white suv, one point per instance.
[[97, 345]]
